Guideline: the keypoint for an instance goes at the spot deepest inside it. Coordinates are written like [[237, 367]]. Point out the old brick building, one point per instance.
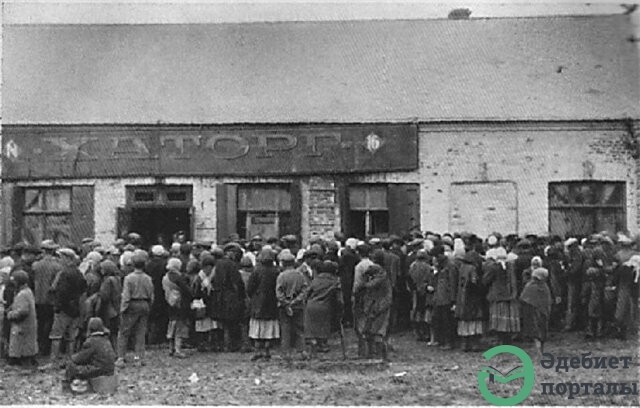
[[371, 127]]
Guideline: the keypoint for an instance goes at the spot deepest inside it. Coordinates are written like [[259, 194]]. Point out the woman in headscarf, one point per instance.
[[374, 293], [203, 290], [536, 308], [324, 305], [470, 303], [23, 341], [261, 289], [499, 278]]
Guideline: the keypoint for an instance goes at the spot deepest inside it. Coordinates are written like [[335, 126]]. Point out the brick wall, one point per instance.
[[323, 210], [529, 155]]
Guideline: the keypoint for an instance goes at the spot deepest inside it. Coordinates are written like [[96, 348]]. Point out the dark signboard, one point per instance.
[[36, 152]]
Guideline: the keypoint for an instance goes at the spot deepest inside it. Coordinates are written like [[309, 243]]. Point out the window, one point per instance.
[[47, 214], [368, 210], [159, 196], [580, 208], [264, 210]]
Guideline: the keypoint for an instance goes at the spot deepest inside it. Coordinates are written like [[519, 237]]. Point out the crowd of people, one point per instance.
[[451, 289]]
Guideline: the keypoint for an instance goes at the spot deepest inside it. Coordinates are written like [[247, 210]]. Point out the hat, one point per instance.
[[217, 252], [375, 241], [540, 273], [174, 264], [139, 256], [266, 255], [257, 238], [447, 240], [624, 240], [68, 252], [20, 277], [119, 242], [289, 238], [204, 254], [232, 246], [245, 262], [49, 245], [133, 236], [7, 262], [157, 250], [351, 243], [416, 242], [570, 241], [207, 259], [108, 268], [286, 256], [422, 254], [94, 257], [395, 238], [315, 249], [95, 325], [328, 267]]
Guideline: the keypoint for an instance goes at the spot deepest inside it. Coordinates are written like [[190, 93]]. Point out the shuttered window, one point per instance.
[[580, 208]]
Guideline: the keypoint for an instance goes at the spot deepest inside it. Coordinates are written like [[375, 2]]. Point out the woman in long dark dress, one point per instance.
[[536, 308], [324, 305]]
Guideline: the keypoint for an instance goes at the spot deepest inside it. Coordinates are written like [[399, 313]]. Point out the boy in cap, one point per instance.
[[291, 292], [95, 359], [45, 270], [137, 298]]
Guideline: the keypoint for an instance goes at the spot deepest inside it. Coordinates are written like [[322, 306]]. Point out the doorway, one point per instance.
[[157, 225]]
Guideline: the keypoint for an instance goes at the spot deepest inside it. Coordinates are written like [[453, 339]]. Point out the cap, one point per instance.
[[328, 267], [289, 238], [87, 240], [207, 259], [139, 256], [68, 252], [422, 254], [95, 325], [257, 238], [374, 241], [232, 246], [315, 249], [20, 277], [203, 244], [351, 243], [157, 250], [286, 256], [266, 254], [174, 263], [570, 241], [49, 244]]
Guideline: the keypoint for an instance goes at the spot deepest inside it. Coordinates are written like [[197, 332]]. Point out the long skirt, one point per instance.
[[317, 321], [504, 316], [260, 329], [471, 327], [207, 324], [535, 323]]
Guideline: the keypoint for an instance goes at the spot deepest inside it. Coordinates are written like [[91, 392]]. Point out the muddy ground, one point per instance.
[[416, 375]]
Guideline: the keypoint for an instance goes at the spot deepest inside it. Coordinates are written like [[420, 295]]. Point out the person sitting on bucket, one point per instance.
[[95, 359]]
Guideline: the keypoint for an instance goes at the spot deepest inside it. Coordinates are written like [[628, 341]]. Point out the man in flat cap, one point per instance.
[[291, 292], [45, 271], [68, 287]]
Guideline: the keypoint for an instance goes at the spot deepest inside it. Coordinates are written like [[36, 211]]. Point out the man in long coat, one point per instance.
[[23, 342], [374, 293], [230, 307]]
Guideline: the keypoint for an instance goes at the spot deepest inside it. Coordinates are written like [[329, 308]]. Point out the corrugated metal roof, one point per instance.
[[562, 68]]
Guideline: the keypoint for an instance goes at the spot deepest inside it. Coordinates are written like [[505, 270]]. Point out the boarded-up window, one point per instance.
[[64, 214], [580, 208], [483, 208]]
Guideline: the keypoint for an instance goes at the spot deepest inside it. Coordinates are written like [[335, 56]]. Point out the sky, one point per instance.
[[199, 11]]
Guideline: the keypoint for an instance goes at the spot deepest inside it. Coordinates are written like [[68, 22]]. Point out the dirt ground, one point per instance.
[[416, 375]]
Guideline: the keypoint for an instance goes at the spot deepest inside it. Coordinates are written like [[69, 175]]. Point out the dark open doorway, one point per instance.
[[157, 225]]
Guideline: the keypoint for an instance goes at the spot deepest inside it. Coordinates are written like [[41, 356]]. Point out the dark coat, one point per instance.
[[23, 339], [324, 305], [500, 281], [68, 288], [392, 265], [575, 266], [346, 270], [420, 277], [96, 358], [446, 278], [470, 293], [228, 282], [110, 297], [375, 296], [208, 295], [261, 290], [156, 268], [45, 271], [182, 310]]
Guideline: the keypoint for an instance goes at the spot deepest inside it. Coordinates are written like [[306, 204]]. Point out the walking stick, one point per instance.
[[344, 347]]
